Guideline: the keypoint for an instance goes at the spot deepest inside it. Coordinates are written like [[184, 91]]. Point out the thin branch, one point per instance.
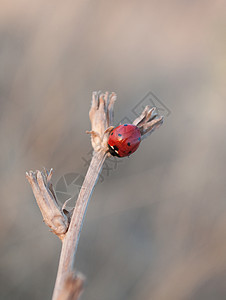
[[73, 287], [70, 242], [101, 114]]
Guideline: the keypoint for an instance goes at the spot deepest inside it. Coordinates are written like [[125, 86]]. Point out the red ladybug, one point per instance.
[[124, 140]]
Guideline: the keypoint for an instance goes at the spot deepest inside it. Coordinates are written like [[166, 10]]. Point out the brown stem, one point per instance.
[[68, 284], [70, 242]]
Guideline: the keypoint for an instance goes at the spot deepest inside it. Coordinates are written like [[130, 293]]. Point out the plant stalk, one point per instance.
[[70, 242]]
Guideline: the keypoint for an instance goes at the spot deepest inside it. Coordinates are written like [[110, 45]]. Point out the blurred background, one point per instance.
[[156, 224]]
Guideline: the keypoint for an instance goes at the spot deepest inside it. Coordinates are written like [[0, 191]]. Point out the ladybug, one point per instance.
[[124, 140]]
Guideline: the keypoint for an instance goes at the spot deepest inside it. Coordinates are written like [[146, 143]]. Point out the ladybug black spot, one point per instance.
[[125, 125], [130, 152], [128, 144], [112, 133], [139, 139], [119, 134]]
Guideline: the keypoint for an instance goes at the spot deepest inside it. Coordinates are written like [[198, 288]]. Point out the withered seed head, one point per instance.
[[101, 116]]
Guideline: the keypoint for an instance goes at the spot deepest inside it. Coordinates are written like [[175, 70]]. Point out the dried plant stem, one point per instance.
[[69, 284], [70, 242]]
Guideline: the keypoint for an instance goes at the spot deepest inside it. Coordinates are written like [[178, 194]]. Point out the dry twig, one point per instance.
[[67, 225]]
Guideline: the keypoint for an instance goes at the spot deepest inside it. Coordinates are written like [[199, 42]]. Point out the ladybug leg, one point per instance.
[[109, 129]]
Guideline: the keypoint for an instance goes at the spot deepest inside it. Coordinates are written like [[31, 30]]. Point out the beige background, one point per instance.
[[156, 227]]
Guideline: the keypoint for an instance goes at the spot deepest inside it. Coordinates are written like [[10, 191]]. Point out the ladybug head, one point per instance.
[[113, 150]]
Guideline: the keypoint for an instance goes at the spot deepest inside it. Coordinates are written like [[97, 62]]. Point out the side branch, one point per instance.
[[53, 215]]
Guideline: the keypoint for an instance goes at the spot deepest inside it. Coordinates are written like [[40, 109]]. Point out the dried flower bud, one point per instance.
[[101, 117], [148, 121], [53, 216]]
